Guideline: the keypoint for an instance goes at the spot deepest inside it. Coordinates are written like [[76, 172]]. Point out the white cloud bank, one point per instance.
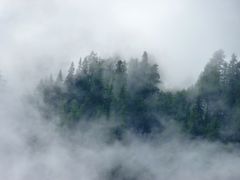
[[33, 149], [41, 36], [181, 34]]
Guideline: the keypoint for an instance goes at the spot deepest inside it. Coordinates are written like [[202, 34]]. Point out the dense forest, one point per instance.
[[129, 94]]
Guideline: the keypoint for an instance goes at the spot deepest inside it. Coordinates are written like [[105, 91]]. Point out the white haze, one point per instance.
[[39, 37], [32, 148], [182, 35]]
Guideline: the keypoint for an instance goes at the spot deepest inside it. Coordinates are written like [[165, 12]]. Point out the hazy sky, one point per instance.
[[41, 36], [45, 35]]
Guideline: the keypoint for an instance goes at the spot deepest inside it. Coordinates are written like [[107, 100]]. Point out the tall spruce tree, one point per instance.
[[70, 76], [59, 79]]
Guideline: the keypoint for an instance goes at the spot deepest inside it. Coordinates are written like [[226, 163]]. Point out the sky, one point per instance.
[[39, 37]]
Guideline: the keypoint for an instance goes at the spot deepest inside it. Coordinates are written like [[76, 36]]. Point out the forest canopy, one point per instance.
[[129, 93]]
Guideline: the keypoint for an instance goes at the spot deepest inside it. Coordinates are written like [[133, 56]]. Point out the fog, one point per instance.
[[181, 35], [32, 148], [40, 37]]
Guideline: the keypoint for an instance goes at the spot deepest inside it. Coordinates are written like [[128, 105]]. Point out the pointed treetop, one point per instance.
[[93, 53], [145, 56], [71, 70], [79, 69], [233, 64], [59, 77], [218, 56], [92, 56]]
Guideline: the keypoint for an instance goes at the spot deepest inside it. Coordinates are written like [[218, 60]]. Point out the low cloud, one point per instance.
[[38, 37], [33, 148], [181, 35]]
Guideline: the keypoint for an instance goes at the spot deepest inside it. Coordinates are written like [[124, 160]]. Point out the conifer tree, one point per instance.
[[70, 76], [59, 77]]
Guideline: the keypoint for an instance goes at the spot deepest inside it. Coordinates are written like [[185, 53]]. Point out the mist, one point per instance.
[[40, 37], [184, 33], [33, 148]]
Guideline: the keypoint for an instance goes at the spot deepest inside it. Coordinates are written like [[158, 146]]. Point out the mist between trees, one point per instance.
[[115, 122], [130, 95]]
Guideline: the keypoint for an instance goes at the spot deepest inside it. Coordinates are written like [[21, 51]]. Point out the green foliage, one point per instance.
[[103, 88], [129, 94]]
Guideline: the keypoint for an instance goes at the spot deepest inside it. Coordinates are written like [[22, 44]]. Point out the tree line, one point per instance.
[[129, 94]]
